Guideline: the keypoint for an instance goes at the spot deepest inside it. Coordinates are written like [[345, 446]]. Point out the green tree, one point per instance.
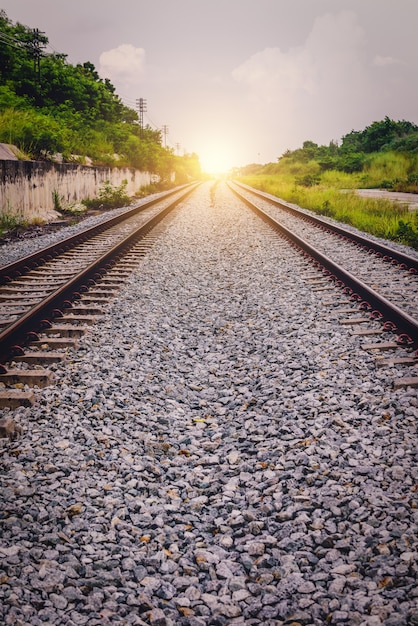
[[70, 109]]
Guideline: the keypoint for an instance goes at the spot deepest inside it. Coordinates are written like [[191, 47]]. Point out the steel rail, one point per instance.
[[344, 279], [25, 264], [361, 240], [16, 333]]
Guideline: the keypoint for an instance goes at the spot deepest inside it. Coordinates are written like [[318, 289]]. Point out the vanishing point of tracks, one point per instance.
[[46, 297]]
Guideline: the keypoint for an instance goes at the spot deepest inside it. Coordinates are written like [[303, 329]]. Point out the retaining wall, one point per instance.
[[27, 187]]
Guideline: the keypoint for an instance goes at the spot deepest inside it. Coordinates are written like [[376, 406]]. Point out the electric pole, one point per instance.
[[165, 132], [36, 45], [141, 103]]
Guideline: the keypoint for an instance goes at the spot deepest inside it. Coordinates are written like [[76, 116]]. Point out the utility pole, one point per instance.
[[165, 133], [141, 103], [178, 148], [36, 45]]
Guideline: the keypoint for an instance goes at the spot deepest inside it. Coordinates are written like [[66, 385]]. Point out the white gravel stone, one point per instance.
[[219, 450]]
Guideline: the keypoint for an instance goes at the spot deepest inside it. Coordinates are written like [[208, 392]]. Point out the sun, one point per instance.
[[217, 159]]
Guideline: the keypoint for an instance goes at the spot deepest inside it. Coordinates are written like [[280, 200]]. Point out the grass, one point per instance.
[[391, 170], [10, 220], [334, 197], [156, 187]]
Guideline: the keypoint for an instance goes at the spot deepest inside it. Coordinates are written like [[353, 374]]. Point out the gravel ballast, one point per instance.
[[219, 450]]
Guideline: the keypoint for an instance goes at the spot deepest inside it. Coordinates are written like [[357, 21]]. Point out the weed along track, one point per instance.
[[218, 448]]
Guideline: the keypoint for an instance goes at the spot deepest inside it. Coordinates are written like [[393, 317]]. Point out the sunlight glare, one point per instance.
[[217, 159]]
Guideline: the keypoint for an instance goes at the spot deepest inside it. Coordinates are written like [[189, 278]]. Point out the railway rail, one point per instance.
[[382, 280], [37, 288], [218, 450], [45, 297], [385, 252]]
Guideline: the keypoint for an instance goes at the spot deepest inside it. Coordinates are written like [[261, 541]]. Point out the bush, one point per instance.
[[109, 197], [327, 210], [350, 162], [11, 221], [308, 180], [413, 179], [32, 132], [407, 234]]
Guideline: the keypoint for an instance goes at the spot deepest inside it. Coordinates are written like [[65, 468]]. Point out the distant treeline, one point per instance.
[[49, 106], [384, 154], [350, 156]]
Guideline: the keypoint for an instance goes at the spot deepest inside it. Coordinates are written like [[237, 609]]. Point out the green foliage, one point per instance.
[[11, 220], [307, 180], [10, 100], [384, 135], [187, 168], [33, 132], [407, 233], [70, 110], [109, 197], [391, 170], [380, 137], [56, 199]]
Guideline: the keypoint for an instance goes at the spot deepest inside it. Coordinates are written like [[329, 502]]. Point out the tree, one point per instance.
[[71, 110]]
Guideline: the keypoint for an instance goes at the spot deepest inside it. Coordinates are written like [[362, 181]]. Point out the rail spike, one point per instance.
[[376, 315], [32, 336], [405, 340], [17, 351], [45, 324]]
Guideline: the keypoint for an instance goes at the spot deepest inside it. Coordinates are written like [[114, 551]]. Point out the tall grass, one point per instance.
[[376, 216], [389, 170]]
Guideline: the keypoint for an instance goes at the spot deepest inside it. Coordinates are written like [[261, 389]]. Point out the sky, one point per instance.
[[242, 81]]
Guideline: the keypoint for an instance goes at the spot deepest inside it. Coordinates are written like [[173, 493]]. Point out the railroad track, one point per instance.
[[39, 289], [379, 281], [47, 298]]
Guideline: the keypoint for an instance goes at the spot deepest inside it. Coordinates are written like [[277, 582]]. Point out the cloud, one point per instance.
[[273, 73], [380, 61], [330, 51], [310, 91], [123, 65]]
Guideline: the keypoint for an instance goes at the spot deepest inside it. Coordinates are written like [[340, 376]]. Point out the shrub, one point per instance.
[[407, 234], [327, 209], [109, 197], [308, 180], [56, 198], [11, 221]]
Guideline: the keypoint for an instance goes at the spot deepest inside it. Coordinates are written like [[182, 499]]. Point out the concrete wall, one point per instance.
[[27, 187]]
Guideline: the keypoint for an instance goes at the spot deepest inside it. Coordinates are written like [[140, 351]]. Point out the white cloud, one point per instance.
[[273, 73], [310, 91], [123, 65], [380, 61], [330, 52]]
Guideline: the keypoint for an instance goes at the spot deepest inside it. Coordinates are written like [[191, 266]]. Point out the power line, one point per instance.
[[156, 126], [10, 41]]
